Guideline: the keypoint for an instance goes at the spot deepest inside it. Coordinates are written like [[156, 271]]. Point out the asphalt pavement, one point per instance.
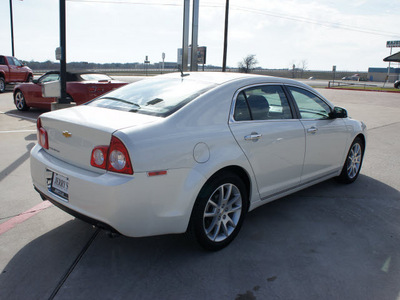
[[330, 241]]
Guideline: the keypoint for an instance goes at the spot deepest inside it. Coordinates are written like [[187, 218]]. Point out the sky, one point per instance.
[[317, 33]]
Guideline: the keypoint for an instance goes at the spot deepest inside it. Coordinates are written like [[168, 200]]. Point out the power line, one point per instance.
[[260, 12]]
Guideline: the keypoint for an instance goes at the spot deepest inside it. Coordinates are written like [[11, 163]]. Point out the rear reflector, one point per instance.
[[156, 173]]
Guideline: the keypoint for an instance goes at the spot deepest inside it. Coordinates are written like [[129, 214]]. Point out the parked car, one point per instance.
[[355, 77], [192, 153], [12, 70], [397, 84], [81, 87]]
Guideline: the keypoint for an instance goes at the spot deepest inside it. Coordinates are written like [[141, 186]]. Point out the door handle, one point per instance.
[[312, 130], [254, 136]]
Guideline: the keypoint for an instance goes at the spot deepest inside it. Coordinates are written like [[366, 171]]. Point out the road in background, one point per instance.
[[330, 241]]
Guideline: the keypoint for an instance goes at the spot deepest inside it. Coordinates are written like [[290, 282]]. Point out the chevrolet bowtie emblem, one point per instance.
[[66, 134]]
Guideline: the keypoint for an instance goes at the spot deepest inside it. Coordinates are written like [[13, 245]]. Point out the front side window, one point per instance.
[[310, 106], [49, 77], [266, 102], [17, 62]]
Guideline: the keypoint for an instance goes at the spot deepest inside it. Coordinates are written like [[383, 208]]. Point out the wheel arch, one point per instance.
[[28, 75], [363, 139], [237, 170], [16, 91]]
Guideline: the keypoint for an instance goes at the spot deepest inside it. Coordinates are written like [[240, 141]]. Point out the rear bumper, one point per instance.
[[132, 205], [78, 215]]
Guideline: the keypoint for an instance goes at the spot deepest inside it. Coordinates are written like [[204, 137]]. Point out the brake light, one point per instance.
[[42, 136], [114, 158]]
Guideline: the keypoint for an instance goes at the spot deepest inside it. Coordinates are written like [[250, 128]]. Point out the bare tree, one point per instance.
[[303, 66], [248, 63]]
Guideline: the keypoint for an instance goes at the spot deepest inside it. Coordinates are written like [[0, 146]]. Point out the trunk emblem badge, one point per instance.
[[66, 134]]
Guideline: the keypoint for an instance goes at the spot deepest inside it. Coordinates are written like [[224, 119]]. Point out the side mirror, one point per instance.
[[338, 113], [35, 81]]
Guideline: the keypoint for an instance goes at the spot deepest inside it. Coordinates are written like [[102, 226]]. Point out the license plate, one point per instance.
[[59, 185]]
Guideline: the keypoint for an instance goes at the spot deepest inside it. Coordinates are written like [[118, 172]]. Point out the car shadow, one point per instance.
[[330, 241], [31, 115]]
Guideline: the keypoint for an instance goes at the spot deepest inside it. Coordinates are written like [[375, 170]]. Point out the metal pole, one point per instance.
[[185, 38], [225, 36], [63, 61], [195, 34], [12, 29]]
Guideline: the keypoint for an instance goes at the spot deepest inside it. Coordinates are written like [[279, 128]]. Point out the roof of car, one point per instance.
[[224, 77]]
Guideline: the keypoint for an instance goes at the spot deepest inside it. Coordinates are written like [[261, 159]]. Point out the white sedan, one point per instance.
[[192, 153]]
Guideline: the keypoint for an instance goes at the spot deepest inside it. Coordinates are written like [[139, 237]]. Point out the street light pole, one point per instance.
[[12, 28], [225, 36]]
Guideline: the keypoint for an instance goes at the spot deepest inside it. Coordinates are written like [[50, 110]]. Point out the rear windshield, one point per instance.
[[157, 96]]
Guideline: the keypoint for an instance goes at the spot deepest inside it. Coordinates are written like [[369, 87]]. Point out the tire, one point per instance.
[[397, 84], [219, 211], [19, 101], [352, 165], [2, 85]]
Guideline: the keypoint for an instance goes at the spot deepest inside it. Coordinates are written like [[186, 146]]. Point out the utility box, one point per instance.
[[51, 89]]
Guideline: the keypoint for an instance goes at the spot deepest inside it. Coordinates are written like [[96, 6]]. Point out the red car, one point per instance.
[[81, 87]]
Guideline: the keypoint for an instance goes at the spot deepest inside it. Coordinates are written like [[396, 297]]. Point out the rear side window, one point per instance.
[[310, 106], [10, 61], [95, 77], [266, 102]]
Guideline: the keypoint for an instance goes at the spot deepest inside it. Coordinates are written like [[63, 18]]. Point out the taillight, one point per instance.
[[42, 136], [99, 157], [114, 158]]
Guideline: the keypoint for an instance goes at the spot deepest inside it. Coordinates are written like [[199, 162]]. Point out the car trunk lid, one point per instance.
[[73, 133]]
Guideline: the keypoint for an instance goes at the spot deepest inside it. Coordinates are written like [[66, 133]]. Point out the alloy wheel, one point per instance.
[[19, 101], [354, 160], [222, 212]]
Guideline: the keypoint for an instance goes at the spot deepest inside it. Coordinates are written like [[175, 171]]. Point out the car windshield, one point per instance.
[[158, 96], [95, 77]]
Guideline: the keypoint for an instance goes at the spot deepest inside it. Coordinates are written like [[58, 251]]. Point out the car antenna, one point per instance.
[[182, 74]]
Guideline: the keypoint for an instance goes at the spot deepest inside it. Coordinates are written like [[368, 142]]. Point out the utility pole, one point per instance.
[[225, 36], [185, 37], [12, 29], [195, 34]]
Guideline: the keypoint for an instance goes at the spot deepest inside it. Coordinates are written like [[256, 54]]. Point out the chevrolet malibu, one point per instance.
[[192, 153]]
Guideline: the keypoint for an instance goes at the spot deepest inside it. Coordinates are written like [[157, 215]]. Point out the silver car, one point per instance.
[[192, 153]]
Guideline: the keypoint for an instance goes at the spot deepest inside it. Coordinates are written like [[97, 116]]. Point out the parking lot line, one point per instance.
[[22, 217], [17, 131]]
